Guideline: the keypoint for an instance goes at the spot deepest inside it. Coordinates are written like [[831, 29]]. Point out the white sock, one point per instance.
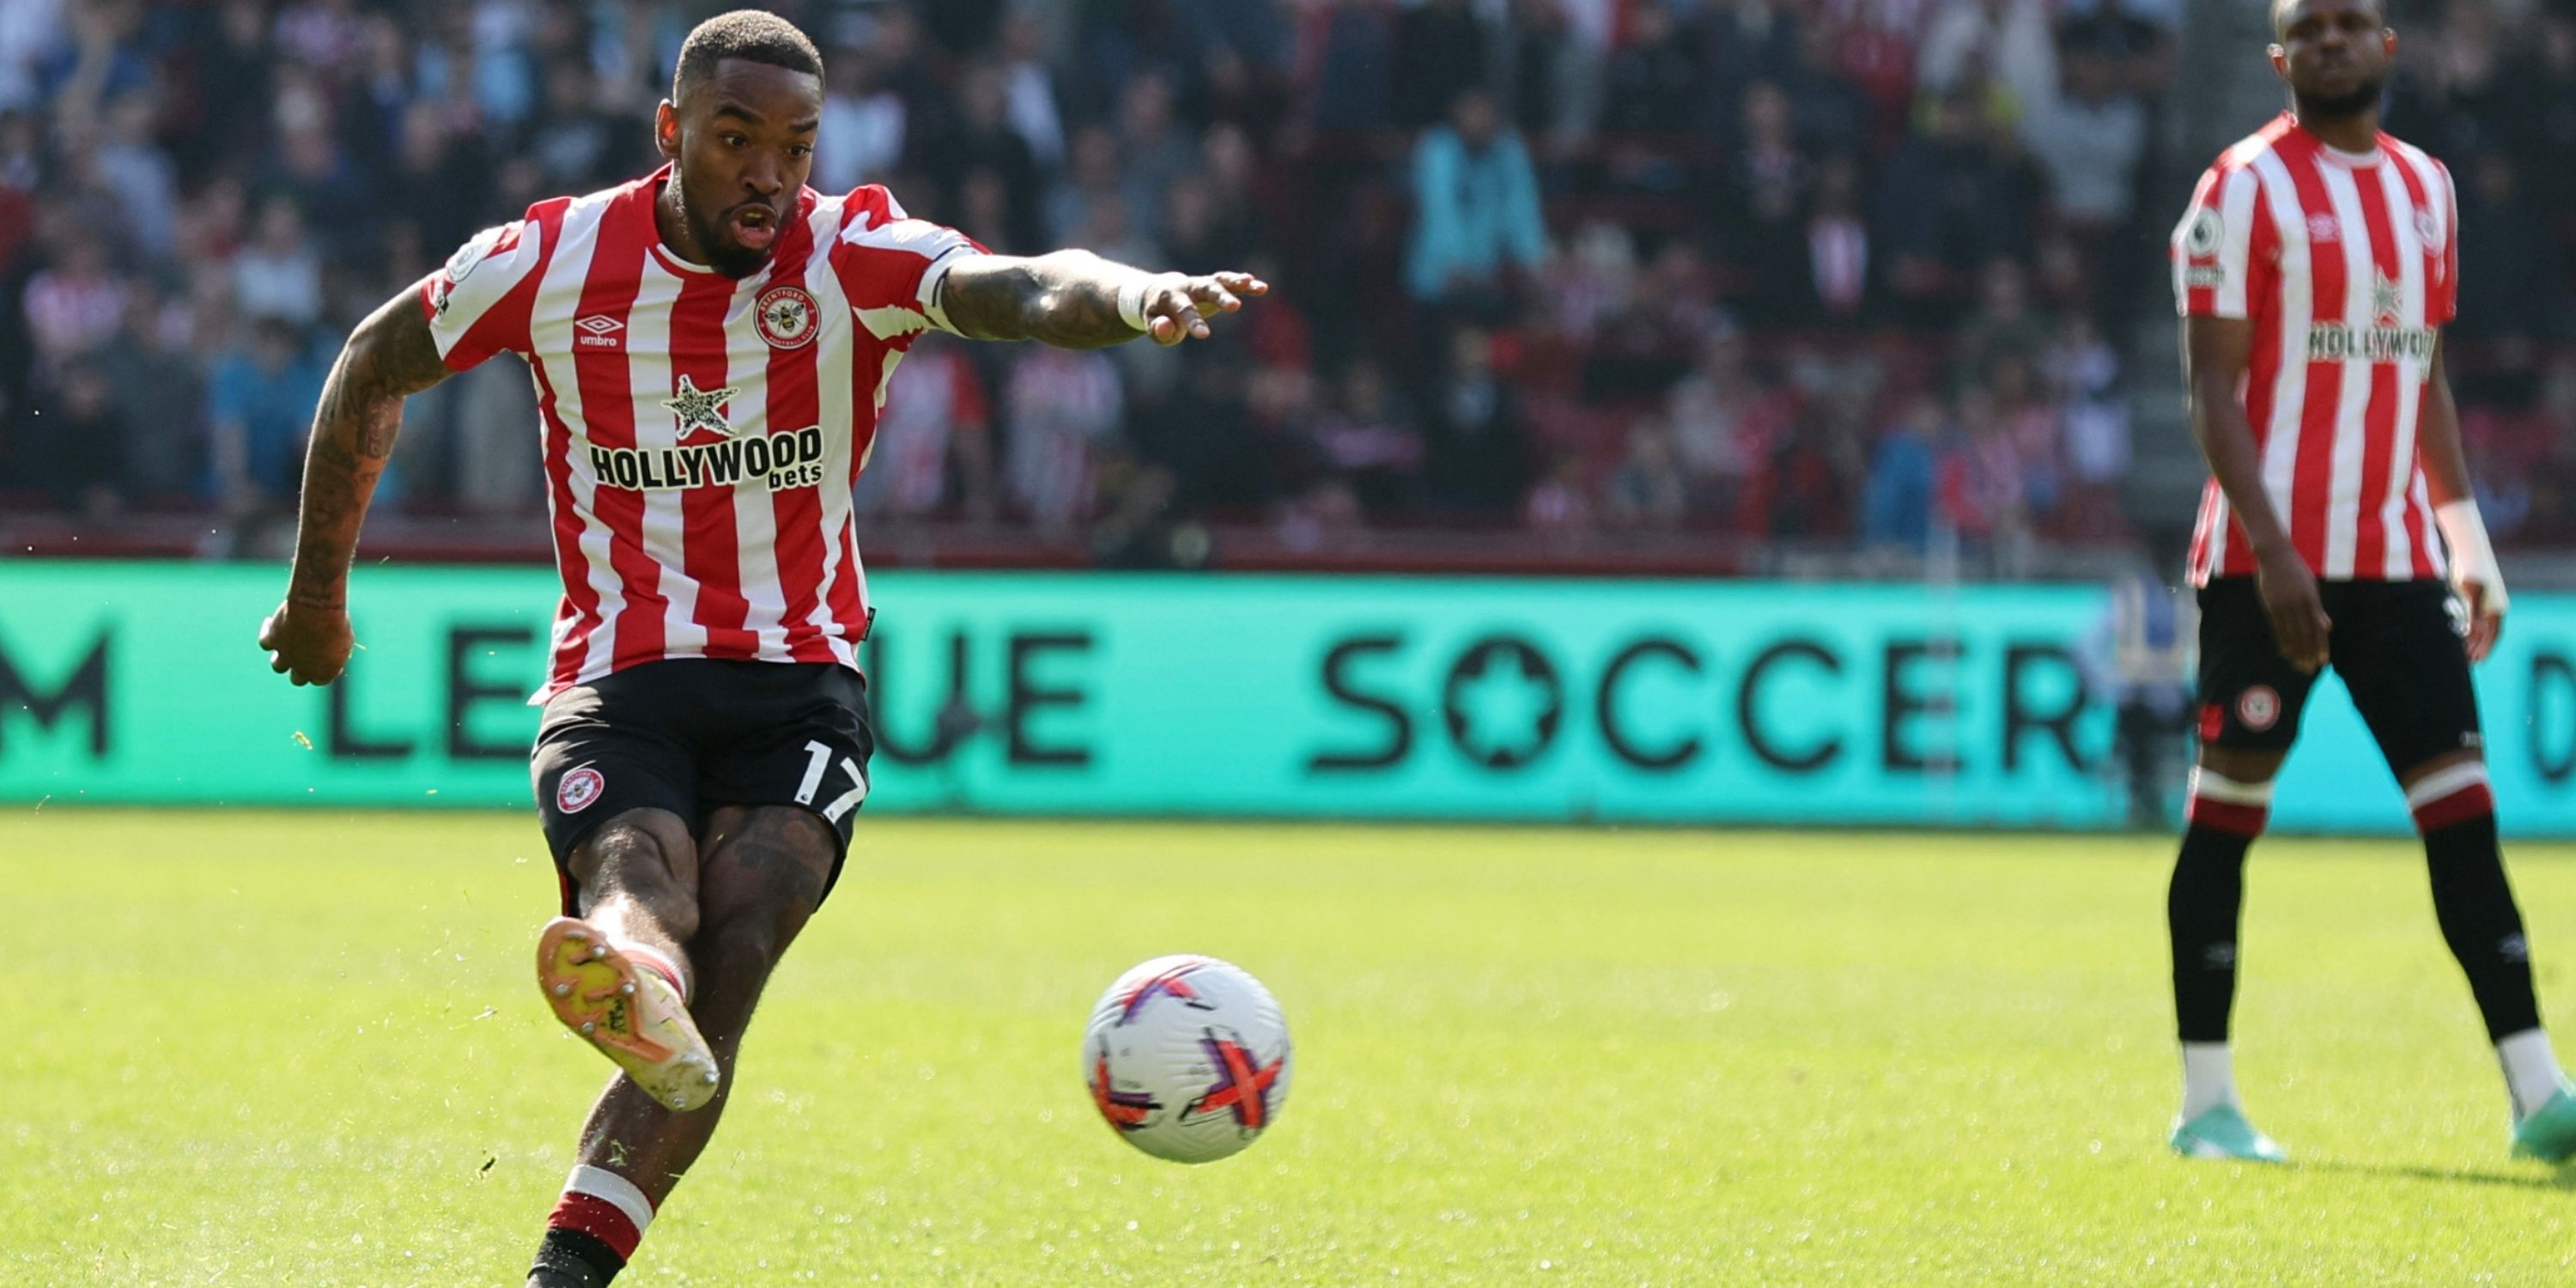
[[2208, 1078], [2531, 1073]]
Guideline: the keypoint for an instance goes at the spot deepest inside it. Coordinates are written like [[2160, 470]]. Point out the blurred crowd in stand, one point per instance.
[[1849, 272], [1857, 273]]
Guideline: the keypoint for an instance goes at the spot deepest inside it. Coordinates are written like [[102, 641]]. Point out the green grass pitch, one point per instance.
[[275, 1049]]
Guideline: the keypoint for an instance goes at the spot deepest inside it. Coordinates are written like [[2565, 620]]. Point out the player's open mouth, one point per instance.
[[755, 227]]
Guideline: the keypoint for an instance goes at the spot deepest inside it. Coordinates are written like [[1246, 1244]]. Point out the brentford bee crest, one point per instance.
[[786, 315], [2259, 708], [579, 790], [2428, 229]]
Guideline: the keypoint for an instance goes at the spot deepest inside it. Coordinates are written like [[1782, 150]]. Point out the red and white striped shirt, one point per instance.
[[2348, 267], [701, 434]]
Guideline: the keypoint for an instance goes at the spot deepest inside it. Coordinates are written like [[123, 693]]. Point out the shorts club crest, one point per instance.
[[2258, 708], [580, 789]]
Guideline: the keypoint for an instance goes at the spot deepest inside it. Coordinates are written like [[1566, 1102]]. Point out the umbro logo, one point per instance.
[[598, 331]]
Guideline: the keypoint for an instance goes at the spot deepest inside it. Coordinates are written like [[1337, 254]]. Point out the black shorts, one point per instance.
[[2397, 645], [687, 735]]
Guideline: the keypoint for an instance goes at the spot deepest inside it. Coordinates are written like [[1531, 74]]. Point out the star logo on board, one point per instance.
[[2385, 297], [699, 409], [1503, 703]]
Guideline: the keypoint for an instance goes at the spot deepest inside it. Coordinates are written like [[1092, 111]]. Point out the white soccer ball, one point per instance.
[[1187, 1058]]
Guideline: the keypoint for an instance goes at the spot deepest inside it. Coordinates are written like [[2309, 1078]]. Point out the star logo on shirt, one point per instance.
[[2385, 297], [699, 409]]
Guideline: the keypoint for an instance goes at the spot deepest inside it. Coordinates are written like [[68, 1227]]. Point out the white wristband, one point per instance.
[[2472, 556], [1131, 302]]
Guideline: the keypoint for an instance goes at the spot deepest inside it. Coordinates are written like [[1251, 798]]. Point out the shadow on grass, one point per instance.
[[2556, 1178]]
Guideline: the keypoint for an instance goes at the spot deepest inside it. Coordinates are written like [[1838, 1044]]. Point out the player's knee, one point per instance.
[[2240, 764], [754, 932], [745, 946], [646, 857], [2449, 761], [768, 867]]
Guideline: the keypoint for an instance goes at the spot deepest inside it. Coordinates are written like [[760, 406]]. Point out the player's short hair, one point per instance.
[[2281, 12], [751, 34]]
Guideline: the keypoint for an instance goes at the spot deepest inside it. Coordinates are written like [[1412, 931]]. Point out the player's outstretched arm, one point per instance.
[[390, 357], [1076, 300], [2216, 353]]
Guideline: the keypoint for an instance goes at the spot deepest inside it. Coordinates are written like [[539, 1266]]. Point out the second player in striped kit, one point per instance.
[[2315, 269]]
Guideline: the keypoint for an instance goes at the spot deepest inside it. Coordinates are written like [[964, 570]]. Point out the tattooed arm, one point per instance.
[[1076, 300], [387, 359]]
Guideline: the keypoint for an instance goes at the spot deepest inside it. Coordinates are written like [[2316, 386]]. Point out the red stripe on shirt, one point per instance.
[[2379, 416], [710, 546], [2312, 478], [2434, 257], [848, 591], [796, 403], [2263, 360], [2446, 305], [2438, 266], [607, 387], [580, 604], [2204, 531]]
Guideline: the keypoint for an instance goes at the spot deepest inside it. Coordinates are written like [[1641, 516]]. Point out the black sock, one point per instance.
[[572, 1259], [2475, 905], [2201, 908]]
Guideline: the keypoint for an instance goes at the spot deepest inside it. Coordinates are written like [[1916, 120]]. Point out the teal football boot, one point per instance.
[[2549, 1134], [2223, 1132]]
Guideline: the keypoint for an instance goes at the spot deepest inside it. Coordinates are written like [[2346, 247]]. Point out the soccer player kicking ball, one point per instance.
[[710, 345], [2315, 270]]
